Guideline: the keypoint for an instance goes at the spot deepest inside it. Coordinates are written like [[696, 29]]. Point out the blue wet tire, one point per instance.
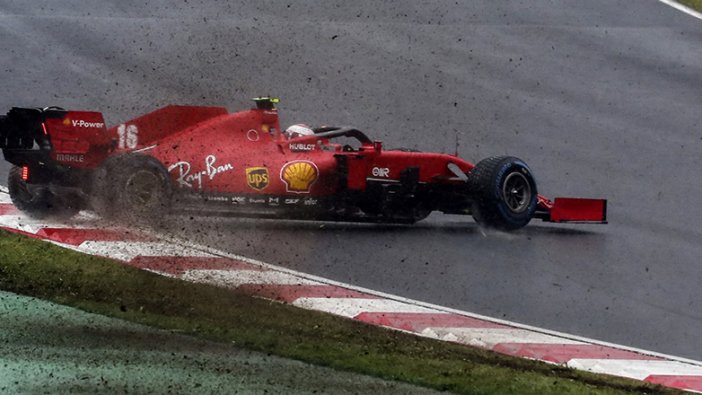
[[504, 193]]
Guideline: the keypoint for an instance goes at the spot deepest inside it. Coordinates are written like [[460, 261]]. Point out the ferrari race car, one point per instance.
[[183, 158]]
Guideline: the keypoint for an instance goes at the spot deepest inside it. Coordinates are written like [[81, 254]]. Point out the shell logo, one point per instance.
[[299, 176], [67, 122]]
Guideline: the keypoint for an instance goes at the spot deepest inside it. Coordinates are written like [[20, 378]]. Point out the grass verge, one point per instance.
[[694, 4], [35, 268]]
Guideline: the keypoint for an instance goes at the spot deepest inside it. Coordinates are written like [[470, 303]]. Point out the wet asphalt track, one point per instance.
[[600, 97]]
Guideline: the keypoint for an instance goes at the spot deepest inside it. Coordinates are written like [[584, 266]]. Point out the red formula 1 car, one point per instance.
[[209, 160]]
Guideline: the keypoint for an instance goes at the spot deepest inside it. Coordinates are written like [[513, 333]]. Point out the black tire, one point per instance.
[[134, 188], [504, 193], [35, 200], [102, 194]]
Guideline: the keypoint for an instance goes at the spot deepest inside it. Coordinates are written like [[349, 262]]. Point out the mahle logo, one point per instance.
[[257, 177]]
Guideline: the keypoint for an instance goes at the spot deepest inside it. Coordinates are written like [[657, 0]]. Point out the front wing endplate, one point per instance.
[[578, 210]]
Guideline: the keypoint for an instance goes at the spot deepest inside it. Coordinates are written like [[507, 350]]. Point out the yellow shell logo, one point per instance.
[[299, 176], [66, 121]]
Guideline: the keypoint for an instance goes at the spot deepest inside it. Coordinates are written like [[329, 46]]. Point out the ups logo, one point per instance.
[[257, 177]]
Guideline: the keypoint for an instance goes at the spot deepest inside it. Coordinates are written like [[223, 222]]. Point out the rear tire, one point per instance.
[[504, 193], [36, 200], [133, 188]]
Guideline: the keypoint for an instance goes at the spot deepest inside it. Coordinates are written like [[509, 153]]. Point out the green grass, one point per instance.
[[35, 268], [694, 4]]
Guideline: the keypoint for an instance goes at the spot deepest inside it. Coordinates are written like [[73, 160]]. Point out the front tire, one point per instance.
[[504, 192], [36, 200]]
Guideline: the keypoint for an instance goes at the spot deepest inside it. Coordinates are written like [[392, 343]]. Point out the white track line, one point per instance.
[[635, 369], [352, 307], [235, 278], [128, 250], [30, 225], [683, 8], [490, 337]]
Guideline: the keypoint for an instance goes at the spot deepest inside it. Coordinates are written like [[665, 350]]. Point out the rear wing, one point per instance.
[[74, 138], [21, 128], [81, 139]]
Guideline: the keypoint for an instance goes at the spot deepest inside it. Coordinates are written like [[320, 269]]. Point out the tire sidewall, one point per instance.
[[117, 175], [41, 204], [490, 208], [512, 219]]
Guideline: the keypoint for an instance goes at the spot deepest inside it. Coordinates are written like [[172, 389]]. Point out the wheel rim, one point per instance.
[[28, 193], [143, 188], [516, 192]]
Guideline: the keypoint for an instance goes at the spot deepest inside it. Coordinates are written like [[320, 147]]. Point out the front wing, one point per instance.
[[563, 209]]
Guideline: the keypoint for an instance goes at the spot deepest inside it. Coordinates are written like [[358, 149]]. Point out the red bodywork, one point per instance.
[[79, 139], [243, 158], [214, 153]]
